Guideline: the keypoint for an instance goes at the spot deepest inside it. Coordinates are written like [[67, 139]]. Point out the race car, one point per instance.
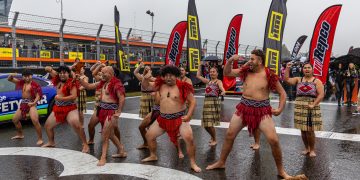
[[10, 98]]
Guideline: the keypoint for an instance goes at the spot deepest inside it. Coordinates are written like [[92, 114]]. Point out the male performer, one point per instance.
[[183, 75], [31, 94], [254, 110], [112, 100], [172, 119], [64, 109]]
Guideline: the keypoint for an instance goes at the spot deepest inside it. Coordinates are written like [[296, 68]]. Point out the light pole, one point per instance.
[[150, 13], [61, 34]]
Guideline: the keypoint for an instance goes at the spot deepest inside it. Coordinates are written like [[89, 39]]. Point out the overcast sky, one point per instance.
[[214, 16]]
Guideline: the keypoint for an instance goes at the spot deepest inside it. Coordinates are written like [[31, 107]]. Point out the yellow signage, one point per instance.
[[74, 55], [7, 52], [102, 56], [194, 59], [45, 54], [275, 26], [193, 28], [124, 63], [272, 59]]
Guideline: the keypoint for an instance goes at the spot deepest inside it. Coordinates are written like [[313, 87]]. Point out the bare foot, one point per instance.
[[150, 158], [255, 146], [217, 165], [212, 143], [312, 154], [297, 177], [39, 142], [49, 145], [120, 155], [284, 175], [180, 154], [143, 146], [305, 152], [196, 168], [90, 142], [86, 148], [18, 137], [101, 162]]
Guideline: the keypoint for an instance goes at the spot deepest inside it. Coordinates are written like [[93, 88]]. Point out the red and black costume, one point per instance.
[[35, 88], [172, 122], [106, 110], [62, 108], [252, 111]]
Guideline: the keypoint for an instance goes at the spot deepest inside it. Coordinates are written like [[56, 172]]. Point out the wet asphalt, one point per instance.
[[336, 159]]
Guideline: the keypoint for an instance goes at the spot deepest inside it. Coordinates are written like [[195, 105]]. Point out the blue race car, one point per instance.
[[10, 98]]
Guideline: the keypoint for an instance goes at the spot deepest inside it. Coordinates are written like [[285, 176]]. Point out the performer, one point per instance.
[[112, 100], [254, 110], [146, 99], [307, 113], [212, 105], [94, 120], [65, 109], [172, 119], [183, 77], [31, 94], [146, 102], [82, 97]]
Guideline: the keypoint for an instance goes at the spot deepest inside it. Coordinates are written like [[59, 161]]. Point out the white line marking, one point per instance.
[[279, 130], [76, 163]]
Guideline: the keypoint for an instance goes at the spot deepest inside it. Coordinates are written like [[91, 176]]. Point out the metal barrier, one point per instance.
[[94, 42]]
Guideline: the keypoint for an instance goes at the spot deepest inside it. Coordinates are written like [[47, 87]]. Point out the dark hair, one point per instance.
[[214, 67], [306, 63], [64, 69], [26, 72], [170, 69], [259, 53]]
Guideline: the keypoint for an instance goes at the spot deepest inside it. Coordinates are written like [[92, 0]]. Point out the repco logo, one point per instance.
[[321, 47], [232, 46], [174, 51]]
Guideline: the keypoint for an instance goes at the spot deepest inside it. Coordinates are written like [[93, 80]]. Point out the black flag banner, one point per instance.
[[297, 46], [274, 34], [193, 40], [122, 63]]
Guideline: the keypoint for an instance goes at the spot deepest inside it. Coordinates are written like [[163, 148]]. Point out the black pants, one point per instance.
[[339, 90], [350, 84]]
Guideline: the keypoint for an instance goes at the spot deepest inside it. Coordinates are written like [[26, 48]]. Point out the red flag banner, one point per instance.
[[232, 47], [322, 41], [175, 44]]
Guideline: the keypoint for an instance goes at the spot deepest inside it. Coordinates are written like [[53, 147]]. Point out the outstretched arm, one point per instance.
[[287, 79], [200, 77], [86, 84], [51, 71], [136, 72], [228, 70], [12, 79]]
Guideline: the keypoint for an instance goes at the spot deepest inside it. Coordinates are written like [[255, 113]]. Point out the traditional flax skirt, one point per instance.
[[253, 112], [171, 124], [82, 101], [146, 103], [62, 108], [307, 119], [211, 112], [106, 111], [155, 113], [24, 107]]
